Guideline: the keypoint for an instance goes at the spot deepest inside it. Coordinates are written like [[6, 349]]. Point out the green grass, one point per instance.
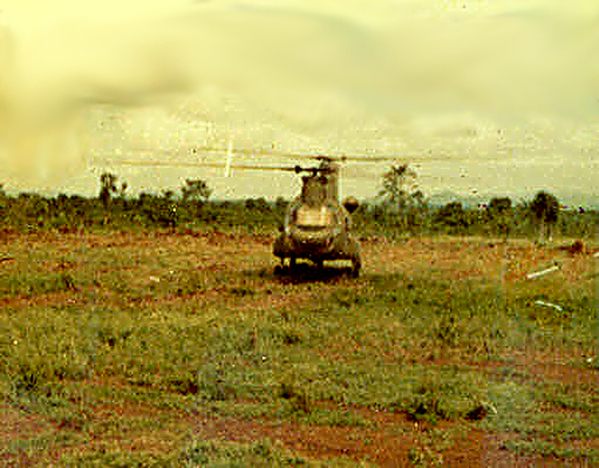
[[215, 453], [147, 328], [28, 284], [262, 453]]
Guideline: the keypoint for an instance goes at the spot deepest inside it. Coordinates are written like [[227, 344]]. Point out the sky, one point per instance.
[[497, 97]]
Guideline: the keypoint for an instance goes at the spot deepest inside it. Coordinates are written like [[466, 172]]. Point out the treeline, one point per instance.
[[394, 214], [401, 211], [113, 208], [454, 218]]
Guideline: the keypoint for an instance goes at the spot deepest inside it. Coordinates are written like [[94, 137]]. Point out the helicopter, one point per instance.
[[317, 226]]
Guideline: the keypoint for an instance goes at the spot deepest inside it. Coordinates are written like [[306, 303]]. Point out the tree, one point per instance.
[[418, 198], [499, 215], [122, 190], [281, 205], [107, 187], [168, 194], [195, 191], [259, 204], [393, 193], [545, 211], [453, 216], [159, 210], [395, 198]]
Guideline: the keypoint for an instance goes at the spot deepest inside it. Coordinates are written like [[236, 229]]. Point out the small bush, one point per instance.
[[297, 396], [442, 395]]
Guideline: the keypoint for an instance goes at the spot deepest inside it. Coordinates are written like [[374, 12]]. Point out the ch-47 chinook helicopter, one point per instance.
[[316, 225]]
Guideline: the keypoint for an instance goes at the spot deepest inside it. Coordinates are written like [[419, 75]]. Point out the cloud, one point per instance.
[[398, 75]]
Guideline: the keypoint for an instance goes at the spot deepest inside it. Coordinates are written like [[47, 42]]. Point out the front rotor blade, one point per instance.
[[203, 164], [265, 152]]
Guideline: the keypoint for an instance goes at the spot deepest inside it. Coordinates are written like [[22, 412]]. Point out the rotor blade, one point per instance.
[[158, 163], [198, 165], [406, 158], [229, 159], [220, 150], [266, 168], [289, 155], [352, 173]]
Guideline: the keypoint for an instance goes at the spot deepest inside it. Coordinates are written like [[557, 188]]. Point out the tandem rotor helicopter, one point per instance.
[[316, 225]]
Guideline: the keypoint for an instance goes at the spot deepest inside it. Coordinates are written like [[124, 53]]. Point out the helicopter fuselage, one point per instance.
[[316, 226]]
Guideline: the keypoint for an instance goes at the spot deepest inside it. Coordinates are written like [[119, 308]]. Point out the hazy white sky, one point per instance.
[[497, 96]]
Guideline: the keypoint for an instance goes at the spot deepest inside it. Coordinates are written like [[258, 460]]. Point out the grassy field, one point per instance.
[[163, 349]]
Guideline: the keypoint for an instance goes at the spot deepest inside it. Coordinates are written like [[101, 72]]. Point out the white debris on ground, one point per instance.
[[542, 272], [549, 304]]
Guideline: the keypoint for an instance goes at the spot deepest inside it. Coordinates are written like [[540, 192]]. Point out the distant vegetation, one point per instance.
[[396, 212]]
